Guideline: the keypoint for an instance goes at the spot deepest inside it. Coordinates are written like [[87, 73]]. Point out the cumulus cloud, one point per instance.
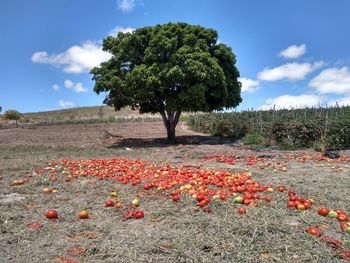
[[76, 59], [56, 87], [65, 104], [289, 101], [289, 71], [293, 51], [249, 85], [78, 87], [126, 6], [118, 29], [332, 80], [339, 102]]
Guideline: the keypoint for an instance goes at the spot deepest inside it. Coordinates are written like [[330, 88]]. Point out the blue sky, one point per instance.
[[289, 53]]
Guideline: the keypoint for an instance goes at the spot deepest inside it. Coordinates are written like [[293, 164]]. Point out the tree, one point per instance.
[[168, 69], [12, 115]]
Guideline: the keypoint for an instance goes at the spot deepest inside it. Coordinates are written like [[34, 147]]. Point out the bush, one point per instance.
[[298, 135], [255, 139], [337, 135]]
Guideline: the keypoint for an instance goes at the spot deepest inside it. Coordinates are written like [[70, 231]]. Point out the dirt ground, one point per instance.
[[170, 232]]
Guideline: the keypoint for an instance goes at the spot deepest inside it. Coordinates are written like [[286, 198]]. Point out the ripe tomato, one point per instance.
[[291, 193], [242, 210], [291, 204], [342, 218], [281, 188], [138, 214], [268, 199], [109, 203], [51, 214], [119, 205], [323, 211], [307, 205], [176, 198], [314, 231], [84, 214], [203, 203]]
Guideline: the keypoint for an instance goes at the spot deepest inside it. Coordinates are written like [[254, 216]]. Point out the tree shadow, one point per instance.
[[162, 142]]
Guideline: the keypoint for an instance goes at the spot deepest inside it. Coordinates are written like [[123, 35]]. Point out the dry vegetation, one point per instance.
[[170, 232]]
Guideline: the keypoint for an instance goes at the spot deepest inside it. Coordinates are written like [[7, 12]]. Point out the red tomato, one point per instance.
[[293, 198], [291, 193], [176, 198], [342, 218], [204, 202], [307, 205], [247, 201], [242, 210], [314, 231], [344, 225], [291, 204], [51, 214], [268, 199], [281, 188], [323, 211], [109, 203], [128, 215], [138, 214], [200, 197]]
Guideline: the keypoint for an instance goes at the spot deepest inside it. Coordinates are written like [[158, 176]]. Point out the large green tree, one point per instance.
[[169, 69]]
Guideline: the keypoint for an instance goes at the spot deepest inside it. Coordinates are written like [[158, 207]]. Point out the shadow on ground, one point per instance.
[[162, 142]]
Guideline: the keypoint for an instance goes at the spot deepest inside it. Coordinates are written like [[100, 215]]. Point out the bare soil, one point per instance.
[[170, 232]]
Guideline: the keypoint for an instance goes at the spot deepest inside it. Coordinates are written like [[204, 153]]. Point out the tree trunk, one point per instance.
[[170, 120]]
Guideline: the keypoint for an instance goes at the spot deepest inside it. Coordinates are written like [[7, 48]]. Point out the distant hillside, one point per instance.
[[93, 114]]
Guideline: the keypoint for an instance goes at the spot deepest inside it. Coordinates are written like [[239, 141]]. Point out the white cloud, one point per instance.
[[56, 87], [126, 6], [332, 80], [118, 29], [289, 101], [340, 102], [249, 85], [78, 87], [65, 104], [68, 83], [76, 59], [289, 71], [293, 51]]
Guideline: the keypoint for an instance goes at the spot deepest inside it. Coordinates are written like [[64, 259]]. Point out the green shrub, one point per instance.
[[255, 139], [337, 134]]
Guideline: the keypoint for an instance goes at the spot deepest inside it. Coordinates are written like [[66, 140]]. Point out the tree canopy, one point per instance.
[[169, 69]]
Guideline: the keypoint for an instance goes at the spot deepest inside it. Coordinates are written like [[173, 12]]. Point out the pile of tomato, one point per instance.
[[202, 184]]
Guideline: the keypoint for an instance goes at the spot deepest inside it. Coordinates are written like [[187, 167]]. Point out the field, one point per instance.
[[170, 231]]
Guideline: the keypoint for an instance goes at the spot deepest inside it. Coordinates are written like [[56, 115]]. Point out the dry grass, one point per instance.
[[170, 232]]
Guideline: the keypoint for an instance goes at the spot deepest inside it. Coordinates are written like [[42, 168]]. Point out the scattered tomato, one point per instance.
[[138, 214], [84, 214], [242, 210], [323, 211], [314, 231], [51, 214]]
